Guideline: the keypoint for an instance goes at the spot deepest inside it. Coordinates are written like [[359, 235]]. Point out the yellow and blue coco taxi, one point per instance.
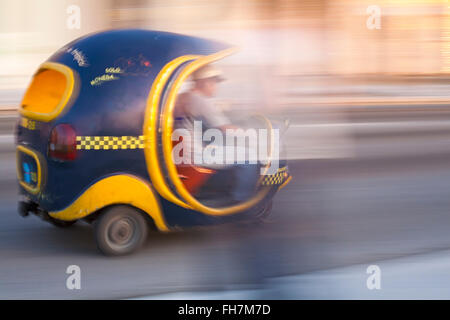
[[94, 140]]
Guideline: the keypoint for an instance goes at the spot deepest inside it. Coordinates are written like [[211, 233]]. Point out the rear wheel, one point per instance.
[[120, 230]]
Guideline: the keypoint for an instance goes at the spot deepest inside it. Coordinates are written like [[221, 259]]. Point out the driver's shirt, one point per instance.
[[201, 108], [197, 107]]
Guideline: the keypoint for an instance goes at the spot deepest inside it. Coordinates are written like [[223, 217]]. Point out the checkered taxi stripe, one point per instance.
[[109, 143], [275, 179]]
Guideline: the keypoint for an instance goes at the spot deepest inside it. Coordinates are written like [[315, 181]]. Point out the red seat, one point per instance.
[[193, 177]]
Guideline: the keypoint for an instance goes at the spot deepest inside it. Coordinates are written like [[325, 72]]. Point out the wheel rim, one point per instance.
[[122, 233]]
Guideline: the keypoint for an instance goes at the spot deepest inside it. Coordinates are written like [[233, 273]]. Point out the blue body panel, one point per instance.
[[109, 108], [114, 107]]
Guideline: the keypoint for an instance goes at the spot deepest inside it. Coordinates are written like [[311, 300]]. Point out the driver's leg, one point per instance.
[[246, 177]]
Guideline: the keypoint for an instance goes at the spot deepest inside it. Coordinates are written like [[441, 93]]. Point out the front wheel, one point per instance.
[[120, 230], [264, 213]]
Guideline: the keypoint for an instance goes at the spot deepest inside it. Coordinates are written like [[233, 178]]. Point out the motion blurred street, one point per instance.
[[368, 148], [389, 200]]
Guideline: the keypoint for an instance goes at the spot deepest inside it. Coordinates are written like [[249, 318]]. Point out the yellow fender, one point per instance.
[[117, 189]]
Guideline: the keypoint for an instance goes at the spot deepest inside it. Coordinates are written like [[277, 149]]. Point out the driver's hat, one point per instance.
[[207, 72]]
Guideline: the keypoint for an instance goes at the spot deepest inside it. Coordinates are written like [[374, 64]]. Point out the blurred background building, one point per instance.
[[314, 43]]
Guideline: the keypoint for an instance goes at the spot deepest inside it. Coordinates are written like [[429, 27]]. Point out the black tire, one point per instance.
[[120, 230], [264, 215], [61, 223]]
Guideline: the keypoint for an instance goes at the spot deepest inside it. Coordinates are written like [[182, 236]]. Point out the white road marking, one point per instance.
[[7, 139]]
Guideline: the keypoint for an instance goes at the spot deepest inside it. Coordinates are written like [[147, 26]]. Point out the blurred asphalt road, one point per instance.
[[336, 217]]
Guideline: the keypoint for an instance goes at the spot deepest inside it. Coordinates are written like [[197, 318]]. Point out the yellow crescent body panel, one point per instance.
[[167, 127], [150, 129]]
